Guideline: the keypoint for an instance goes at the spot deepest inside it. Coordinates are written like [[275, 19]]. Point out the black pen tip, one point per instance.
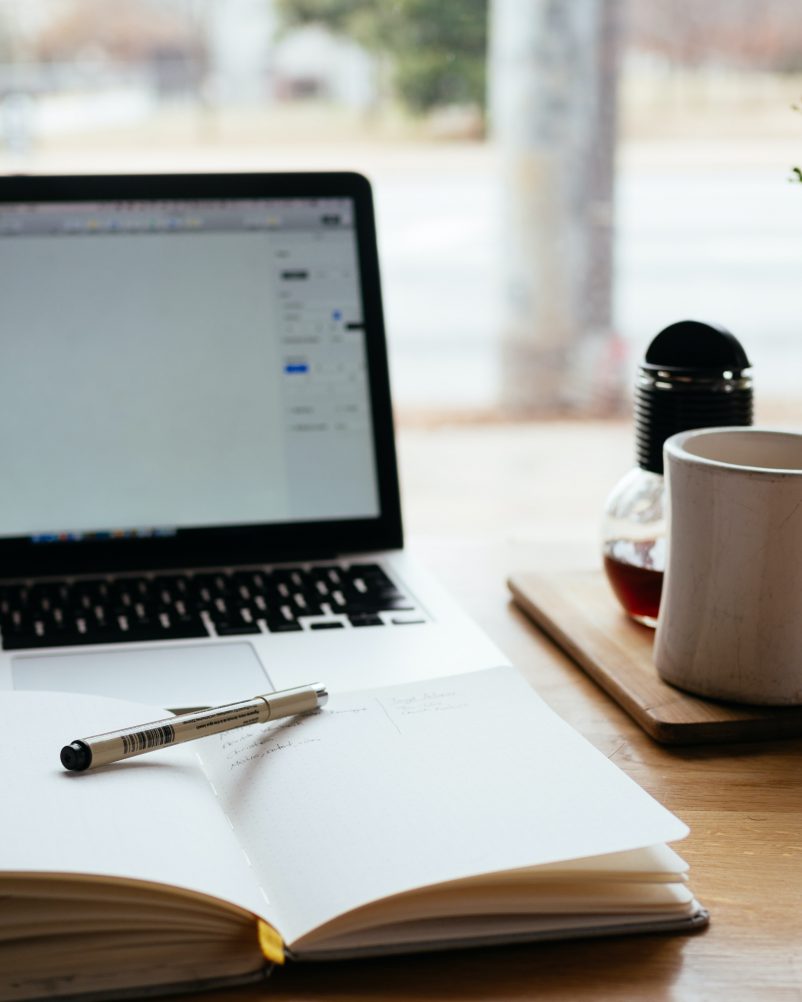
[[76, 757]]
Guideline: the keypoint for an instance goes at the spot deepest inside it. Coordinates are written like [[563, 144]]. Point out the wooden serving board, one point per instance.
[[577, 610]]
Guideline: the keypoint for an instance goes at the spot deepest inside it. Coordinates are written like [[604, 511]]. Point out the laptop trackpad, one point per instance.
[[172, 677]]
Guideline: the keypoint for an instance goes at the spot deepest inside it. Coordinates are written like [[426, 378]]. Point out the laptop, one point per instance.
[[199, 488]]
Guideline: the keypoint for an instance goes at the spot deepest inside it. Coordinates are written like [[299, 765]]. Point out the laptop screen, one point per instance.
[[174, 364]]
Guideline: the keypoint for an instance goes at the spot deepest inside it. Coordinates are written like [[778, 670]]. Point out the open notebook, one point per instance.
[[454, 812]]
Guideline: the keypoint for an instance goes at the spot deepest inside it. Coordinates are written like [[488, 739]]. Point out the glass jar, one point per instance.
[[634, 549], [693, 376]]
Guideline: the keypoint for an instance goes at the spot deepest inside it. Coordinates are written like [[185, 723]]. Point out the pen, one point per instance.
[[102, 749]]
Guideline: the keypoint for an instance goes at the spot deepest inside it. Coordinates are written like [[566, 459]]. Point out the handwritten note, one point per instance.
[[447, 700], [241, 748], [386, 790]]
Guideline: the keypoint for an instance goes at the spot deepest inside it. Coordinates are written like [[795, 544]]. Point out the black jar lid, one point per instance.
[[693, 376]]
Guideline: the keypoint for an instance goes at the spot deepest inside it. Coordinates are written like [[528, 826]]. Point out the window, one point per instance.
[[555, 182]]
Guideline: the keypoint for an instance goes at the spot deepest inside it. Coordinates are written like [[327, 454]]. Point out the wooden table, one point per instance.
[[743, 803]]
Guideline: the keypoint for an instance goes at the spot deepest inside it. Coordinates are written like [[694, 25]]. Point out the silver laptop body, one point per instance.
[[199, 496]]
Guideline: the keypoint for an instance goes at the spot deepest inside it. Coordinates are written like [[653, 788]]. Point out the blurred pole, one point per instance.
[[239, 37], [552, 98]]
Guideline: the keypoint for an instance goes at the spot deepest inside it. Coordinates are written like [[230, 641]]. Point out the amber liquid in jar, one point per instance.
[[635, 572]]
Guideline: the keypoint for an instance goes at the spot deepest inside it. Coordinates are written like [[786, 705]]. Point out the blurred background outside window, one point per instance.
[[556, 180]]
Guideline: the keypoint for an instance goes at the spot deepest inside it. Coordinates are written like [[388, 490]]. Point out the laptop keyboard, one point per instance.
[[182, 606]]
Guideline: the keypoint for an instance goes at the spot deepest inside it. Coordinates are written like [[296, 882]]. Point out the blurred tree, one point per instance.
[[6, 38], [739, 33], [554, 74], [437, 50]]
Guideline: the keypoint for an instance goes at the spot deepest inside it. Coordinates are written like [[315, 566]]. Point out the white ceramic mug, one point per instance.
[[730, 622]]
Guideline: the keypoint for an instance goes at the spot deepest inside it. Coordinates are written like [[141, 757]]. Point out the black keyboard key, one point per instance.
[[178, 628], [56, 620], [187, 627], [260, 606], [137, 587], [167, 606], [326, 624], [291, 577], [230, 617], [337, 599], [368, 604], [278, 592], [395, 604], [19, 641], [281, 625], [143, 632], [47, 596], [305, 605], [367, 571], [219, 609], [235, 629], [176, 584], [80, 631], [213, 585], [324, 580], [365, 619]]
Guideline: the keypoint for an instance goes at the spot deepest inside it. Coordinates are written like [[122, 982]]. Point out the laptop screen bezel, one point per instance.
[[243, 544]]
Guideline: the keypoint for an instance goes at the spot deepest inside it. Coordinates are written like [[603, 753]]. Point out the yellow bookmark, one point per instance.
[[270, 943]]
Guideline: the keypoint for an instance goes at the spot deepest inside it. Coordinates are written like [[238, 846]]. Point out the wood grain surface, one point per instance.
[[577, 609]]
